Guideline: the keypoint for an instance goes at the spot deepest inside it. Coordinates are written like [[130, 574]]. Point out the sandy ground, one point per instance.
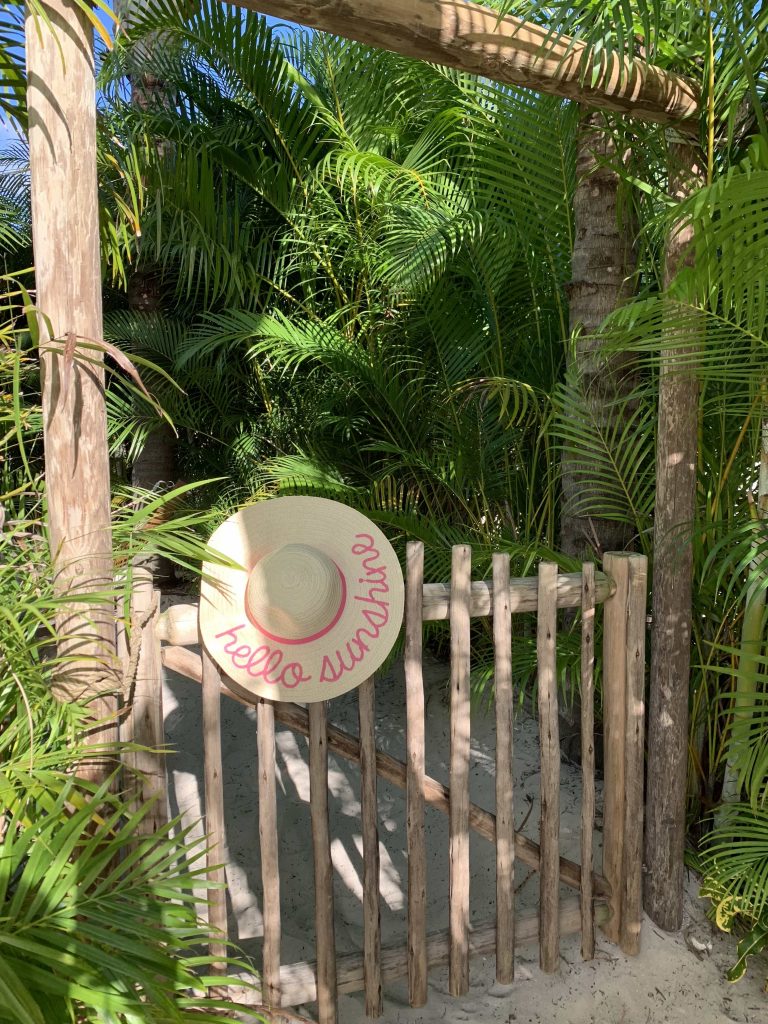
[[666, 983]]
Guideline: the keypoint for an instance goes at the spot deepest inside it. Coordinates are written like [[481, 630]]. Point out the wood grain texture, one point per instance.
[[675, 512], [632, 896], [505, 820], [325, 935], [587, 758], [214, 807], [614, 735], [298, 980], [268, 845], [549, 741], [415, 740], [369, 821], [187, 663], [474, 38], [146, 713], [61, 101], [178, 625], [461, 570]]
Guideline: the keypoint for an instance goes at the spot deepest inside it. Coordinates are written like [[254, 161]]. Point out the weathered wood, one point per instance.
[[187, 664], [632, 895], [461, 570], [549, 742], [146, 725], [298, 980], [587, 757], [614, 735], [325, 937], [676, 447], [214, 807], [178, 625], [475, 38], [603, 278], [415, 740], [270, 864], [61, 100], [369, 821], [505, 819]]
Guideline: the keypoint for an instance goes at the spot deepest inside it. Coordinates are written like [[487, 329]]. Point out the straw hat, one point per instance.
[[314, 607]]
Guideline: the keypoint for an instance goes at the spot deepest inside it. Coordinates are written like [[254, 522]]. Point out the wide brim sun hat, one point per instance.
[[312, 605]]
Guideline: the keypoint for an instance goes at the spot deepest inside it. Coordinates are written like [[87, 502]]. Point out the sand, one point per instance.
[[668, 982]]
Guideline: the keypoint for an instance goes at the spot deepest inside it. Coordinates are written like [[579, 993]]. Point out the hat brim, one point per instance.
[[344, 655]]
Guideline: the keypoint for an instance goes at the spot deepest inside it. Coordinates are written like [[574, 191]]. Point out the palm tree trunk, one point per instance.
[[672, 595], [603, 269], [65, 221]]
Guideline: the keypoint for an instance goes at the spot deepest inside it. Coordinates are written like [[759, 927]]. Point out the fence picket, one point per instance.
[[632, 909], [614, 735], [461, 568], [270, 868], [587, 757], [321, 850], [505, 820], [415, 770], [549, 877], [369, 816], [214, 808]]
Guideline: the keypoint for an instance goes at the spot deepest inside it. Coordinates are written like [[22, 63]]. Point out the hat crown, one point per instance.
[[295, 593]]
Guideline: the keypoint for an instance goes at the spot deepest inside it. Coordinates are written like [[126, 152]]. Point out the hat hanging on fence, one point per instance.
[[314, 605]]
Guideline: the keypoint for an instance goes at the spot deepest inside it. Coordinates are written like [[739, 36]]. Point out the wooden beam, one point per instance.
[[178, 624], [61, 99], [473, 38]]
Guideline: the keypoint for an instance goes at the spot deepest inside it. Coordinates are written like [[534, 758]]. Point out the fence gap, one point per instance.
[[369, 815]]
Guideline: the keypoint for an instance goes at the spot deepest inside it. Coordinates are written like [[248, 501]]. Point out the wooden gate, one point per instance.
[[611, 897]]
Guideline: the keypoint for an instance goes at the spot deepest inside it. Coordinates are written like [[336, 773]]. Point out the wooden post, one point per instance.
[[325, 935], [587, 757], [549, 741], [270, 864], [61, 99], [677, 442], [624, 730], [505, 818], [366, 696], [415, 743], [461, 575]]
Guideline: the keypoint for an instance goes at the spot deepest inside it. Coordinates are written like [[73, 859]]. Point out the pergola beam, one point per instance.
[[473, 38]]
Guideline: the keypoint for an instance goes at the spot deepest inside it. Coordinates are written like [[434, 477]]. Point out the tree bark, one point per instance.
[[65, 226], [602, 278], [672, 592], [475, 38]]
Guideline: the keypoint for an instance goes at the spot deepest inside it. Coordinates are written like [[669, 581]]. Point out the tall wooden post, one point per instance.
[[672, 593], [62, 147]]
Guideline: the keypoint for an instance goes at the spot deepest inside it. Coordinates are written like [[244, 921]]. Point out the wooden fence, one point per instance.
[[611, 897]]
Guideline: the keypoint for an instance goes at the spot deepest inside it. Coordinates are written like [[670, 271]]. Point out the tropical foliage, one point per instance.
[[362, 265]]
